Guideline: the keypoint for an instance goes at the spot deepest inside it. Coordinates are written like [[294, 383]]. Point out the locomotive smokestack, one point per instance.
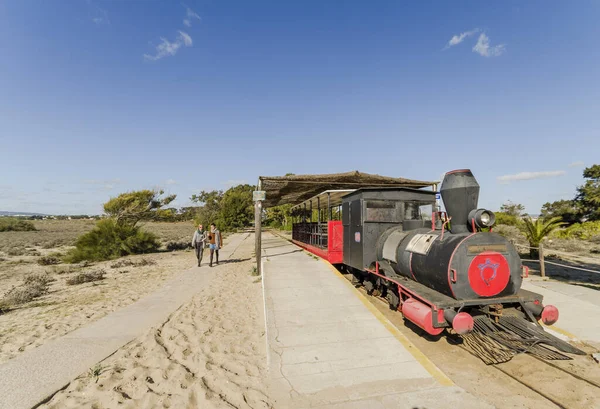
[[460, 193]]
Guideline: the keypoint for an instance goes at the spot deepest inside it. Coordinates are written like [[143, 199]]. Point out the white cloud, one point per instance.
[[529, 175], [187, 40], [171, 182], [189, 16], [576, 164], [167, 48], [483, 47], [459, 38]]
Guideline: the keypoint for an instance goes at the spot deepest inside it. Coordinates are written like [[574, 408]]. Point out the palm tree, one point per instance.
[[535, 231]]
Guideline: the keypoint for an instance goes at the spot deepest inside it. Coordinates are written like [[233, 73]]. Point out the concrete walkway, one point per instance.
[[578, 306], [330, 348], [36, 375]]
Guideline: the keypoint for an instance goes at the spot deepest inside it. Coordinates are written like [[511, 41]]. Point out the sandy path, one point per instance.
[[66, 308], [210, 353]]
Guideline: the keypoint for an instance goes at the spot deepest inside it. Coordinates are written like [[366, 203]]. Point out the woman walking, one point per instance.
[[214, 238]]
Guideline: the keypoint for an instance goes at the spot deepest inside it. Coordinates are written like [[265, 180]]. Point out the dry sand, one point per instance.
[[66, 308], [210, 353]]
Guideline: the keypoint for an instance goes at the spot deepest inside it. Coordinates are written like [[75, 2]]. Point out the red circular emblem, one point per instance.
[[489, 273]]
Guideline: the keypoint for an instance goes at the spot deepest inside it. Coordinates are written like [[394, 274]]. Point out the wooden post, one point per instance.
[[319, 221], [541, 254], [258, 232]]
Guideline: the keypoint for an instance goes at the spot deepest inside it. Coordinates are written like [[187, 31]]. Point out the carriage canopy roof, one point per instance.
[[295, 189]]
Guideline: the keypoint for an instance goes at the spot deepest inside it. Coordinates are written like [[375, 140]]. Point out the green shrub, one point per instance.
[[15, 224], [582, 231], [506, 219], [178, 245], [110, 240]]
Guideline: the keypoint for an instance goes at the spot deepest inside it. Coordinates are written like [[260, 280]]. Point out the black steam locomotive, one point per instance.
[[450, 272], [441, 274]]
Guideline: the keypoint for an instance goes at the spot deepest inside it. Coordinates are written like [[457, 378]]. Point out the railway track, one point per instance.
[[553, 382], [582, 393]]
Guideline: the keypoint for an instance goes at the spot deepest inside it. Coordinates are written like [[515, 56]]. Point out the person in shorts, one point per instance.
[[214, 238]]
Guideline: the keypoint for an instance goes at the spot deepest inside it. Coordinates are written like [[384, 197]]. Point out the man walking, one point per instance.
[[214, 238], [198, 243]]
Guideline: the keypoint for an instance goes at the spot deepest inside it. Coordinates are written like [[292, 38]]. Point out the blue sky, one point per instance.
[[101, 97]]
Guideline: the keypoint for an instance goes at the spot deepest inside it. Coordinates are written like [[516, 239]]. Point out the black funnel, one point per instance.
[[460, 193]]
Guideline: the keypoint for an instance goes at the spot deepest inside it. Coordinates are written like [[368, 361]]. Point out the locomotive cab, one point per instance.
[[368, 213]]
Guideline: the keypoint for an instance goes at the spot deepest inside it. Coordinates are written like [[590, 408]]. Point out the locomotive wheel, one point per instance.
[[393, 300]]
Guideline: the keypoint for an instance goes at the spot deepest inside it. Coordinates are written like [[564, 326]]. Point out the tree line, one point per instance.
[[585, 206], [577, 218]]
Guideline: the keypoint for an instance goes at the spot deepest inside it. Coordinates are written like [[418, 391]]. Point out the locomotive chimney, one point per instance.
[[460, 193]]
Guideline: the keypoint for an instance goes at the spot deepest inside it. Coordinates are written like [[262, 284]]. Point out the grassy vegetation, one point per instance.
[[54, 234], [15, 224], [49, 234]]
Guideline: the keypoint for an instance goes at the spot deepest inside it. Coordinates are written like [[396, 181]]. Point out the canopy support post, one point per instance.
[[258, 231], [319, 221]]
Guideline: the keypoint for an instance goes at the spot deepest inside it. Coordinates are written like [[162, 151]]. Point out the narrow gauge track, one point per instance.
[[540, 376]]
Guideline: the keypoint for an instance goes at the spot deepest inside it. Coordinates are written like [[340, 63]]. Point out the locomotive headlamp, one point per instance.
[[483, 218]]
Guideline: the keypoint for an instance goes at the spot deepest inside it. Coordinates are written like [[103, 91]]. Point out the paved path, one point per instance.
[[36, 375], [330, 348], [578, 306]]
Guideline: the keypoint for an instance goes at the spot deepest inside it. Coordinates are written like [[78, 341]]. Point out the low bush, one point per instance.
[[34, 286], [110, 240], [48, 260], [582, 231], [87, 277], [144, 262], [122, 263], [15, 224], [64, 270], [42, 278], [178, 245], [127, 263]]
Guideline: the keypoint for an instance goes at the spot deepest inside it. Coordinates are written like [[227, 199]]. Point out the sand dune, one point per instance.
[[210, 353]]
